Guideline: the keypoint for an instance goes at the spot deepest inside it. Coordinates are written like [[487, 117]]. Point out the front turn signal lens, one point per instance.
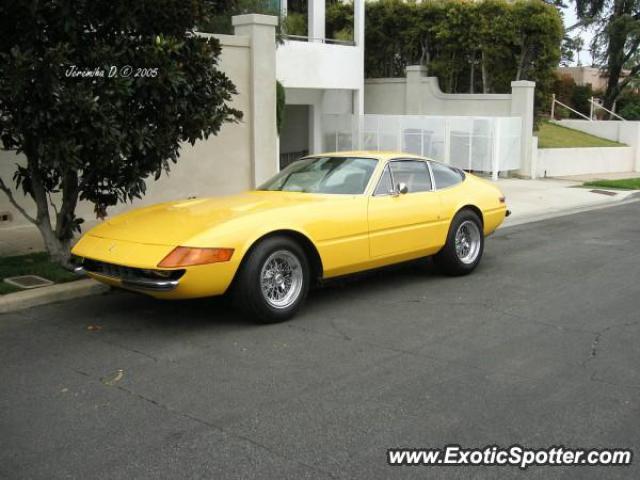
[[187, 256]]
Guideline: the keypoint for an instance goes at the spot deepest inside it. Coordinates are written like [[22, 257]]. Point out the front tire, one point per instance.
[[273, 281], [464, 247]]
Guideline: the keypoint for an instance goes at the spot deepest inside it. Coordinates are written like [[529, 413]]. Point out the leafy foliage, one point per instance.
[[295, 24], [469, 46], [573, 95], [339, 21], [217, 14], [628, 105], [615, 44], [98, 138]]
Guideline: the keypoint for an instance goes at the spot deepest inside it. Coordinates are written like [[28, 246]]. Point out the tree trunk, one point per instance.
[[523, 59], [485, 75], [616, 36], [59, 250], [57, 244], [425, 56], [471, 76]]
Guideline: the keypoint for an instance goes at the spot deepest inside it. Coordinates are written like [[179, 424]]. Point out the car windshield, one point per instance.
[[345, 175]]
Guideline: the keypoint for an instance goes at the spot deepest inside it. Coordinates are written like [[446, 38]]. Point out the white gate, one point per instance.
[[484, 144]]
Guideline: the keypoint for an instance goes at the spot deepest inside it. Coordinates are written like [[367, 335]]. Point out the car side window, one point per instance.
[[445, 176], [385, 187], [413, 173]]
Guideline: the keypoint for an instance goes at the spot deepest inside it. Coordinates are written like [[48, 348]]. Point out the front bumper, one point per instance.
[[136, 269], [134, 278]]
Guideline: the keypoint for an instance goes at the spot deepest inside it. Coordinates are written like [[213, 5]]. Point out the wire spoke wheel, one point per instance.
[[467, 242], [281, 279]]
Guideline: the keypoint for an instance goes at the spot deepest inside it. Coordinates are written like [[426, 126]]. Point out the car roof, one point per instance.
[[384, 155]]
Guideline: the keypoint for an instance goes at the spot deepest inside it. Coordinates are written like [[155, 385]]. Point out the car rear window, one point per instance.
[[445, 176]]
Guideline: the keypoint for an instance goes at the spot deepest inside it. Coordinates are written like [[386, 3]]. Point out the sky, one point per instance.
[[570, 19]]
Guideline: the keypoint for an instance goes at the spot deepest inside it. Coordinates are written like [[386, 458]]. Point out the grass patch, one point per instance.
[[623, 183], [551, 135], [31, 264]]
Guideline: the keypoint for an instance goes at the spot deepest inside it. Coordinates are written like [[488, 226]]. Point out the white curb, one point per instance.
[[12, 302], [83, 288]]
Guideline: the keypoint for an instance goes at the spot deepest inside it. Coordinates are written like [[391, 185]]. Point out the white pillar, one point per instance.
[[358, 23], [413, 89], [358, 94], [522, 106], [316, 21], [315, 127], [261, 29]]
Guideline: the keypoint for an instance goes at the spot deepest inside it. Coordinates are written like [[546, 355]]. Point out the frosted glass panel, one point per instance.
[[481, 144]]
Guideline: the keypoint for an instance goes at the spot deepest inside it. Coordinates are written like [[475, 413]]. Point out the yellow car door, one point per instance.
[[404, 212]]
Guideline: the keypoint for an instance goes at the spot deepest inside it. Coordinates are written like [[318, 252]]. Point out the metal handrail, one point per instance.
[[331, 41], [592, 104], [597, 105], [553, 108]]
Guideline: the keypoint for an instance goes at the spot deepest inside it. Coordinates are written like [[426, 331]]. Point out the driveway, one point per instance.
[[540, 346]]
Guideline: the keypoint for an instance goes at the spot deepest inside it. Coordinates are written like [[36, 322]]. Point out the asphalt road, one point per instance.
[[540, 347]]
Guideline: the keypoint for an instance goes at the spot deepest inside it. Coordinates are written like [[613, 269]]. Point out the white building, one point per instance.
[[325, 98], [320, 75]]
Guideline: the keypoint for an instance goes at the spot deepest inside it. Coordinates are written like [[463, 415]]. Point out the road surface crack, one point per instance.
[[221, 430], [598, 337]]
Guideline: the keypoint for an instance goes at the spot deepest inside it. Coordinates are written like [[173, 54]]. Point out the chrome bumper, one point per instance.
[[135, 278]]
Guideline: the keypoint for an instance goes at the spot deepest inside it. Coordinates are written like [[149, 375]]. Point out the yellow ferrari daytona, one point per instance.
[[323, 216]]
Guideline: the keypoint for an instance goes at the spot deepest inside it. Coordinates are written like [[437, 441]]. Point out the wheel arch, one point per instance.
[[315, 261], [474, 209]]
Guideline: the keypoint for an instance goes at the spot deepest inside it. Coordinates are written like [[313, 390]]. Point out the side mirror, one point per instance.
[[402, 188]]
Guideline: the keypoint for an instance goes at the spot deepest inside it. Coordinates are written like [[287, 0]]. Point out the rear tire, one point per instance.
[[273, 281], [464, 247]]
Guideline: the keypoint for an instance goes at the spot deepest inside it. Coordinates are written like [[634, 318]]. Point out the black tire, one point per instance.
[[448, 260], [248, 295]]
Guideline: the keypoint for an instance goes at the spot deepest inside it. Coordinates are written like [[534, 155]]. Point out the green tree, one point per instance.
[[99, 138], [469, 46], [216, 14], [615, 45]]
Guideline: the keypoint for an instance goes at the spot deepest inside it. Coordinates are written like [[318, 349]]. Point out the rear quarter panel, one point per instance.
[[475, 191]]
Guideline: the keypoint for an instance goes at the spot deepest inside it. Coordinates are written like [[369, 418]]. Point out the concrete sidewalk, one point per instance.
[[528, 200], [532, 200], [601, 176]]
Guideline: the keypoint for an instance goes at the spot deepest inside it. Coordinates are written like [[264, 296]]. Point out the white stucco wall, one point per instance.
[[319, 65], [385, 96], [420, 95], [618, 131], [390, 96], [221, 165], [560, 162], [604, 129]]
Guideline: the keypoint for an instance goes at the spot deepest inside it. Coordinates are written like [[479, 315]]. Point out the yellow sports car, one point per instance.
[[322, 216]]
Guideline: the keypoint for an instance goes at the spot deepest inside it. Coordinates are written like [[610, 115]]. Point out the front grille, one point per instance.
[[129, 273]]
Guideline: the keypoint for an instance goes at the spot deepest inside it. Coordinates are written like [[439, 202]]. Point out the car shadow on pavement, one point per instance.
[[128, 311]]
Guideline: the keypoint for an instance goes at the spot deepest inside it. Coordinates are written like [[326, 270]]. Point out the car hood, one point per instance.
[[174, 223]]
